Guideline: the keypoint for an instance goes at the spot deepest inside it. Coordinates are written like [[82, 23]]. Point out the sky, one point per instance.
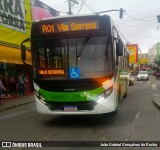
[[139, 24]]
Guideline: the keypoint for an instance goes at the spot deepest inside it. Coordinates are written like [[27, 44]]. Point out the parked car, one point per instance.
[[131, 79], [142, 75]]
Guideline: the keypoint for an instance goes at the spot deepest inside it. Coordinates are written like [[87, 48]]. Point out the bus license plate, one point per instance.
[[70, 108]]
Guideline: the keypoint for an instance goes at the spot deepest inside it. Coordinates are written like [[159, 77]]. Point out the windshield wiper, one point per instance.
[[80, 51]]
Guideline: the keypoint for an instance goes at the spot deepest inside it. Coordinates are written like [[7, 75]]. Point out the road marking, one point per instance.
[[148, 82], [137, 115], [13, 115], [131, 128], [156, 95], [154, 86]]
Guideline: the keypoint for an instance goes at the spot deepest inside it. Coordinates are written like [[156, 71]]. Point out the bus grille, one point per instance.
[[68, 85], [86, 106]]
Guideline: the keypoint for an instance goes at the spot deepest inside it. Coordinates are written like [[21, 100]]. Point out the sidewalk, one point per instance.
[[14, 101], [156, 100]]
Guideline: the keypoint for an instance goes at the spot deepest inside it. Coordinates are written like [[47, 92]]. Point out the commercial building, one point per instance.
[[16, 17], [133, 57], [152, 54], [143, 61]]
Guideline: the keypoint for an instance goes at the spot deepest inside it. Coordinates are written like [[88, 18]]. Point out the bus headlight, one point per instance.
[[100, 98], [40, 97], [108, 91], [37, 94], [104, 95]]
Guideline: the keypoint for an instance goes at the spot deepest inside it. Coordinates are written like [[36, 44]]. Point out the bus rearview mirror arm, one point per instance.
[[119, 47], [23, 50]]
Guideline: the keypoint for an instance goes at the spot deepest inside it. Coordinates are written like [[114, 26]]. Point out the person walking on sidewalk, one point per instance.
[[21, 85], [2, 88]]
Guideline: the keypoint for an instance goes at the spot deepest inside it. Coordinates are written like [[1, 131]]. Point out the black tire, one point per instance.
[[118, 100], [125, 95], [119, 94], [113, 113]]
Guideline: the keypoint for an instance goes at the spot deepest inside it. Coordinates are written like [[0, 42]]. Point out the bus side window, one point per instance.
[[42, 61], [57, 62], [115, 54]]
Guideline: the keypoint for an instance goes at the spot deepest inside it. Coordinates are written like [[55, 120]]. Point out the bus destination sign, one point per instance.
[[69, 26], [51, 72]]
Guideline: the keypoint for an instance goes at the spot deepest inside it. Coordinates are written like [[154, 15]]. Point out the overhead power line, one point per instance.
[[137, 19], [81, 6], [90, 8], [142, 17], [147, 12], [132, 26], [61, 4]]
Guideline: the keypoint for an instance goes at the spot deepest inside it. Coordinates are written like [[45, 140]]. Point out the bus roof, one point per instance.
[[71, 16]]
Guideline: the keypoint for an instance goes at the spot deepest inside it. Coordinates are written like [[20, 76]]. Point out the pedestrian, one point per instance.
[[2, 88], [157, 73], [21, 85]]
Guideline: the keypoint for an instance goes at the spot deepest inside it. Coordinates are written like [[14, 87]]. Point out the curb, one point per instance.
[[156, 100], [16, 105]]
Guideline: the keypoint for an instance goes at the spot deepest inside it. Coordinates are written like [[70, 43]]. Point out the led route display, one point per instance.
[[69, 26]]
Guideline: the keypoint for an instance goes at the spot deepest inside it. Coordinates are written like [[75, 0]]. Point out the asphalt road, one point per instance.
[[138, 119]]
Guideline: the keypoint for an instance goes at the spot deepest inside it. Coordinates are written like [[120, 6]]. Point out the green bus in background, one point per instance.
[[79, 64]]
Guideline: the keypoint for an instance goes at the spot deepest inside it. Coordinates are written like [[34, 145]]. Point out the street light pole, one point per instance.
[[139, 50], [70, 4], [120, 12]]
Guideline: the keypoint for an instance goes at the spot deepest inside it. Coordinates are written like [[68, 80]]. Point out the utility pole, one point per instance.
[[70, 4], [158, 19]]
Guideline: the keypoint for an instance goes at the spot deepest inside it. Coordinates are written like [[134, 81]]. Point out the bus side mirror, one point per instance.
[[23, 52], [119, 49]]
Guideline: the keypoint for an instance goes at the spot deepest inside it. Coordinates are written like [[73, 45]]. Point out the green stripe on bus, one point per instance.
[[71, 96]]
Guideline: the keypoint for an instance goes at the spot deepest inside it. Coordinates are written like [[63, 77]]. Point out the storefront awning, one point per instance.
[[13, 55]]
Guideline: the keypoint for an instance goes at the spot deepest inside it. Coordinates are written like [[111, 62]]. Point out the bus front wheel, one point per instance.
[[125, 95]]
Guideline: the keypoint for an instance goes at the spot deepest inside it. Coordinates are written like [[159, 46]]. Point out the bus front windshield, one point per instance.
[[91, 56]]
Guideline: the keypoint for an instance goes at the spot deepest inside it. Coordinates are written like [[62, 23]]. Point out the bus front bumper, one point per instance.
[[106, 106]]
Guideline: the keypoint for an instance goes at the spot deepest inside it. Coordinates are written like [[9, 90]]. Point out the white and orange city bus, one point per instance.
[[79, 63]]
